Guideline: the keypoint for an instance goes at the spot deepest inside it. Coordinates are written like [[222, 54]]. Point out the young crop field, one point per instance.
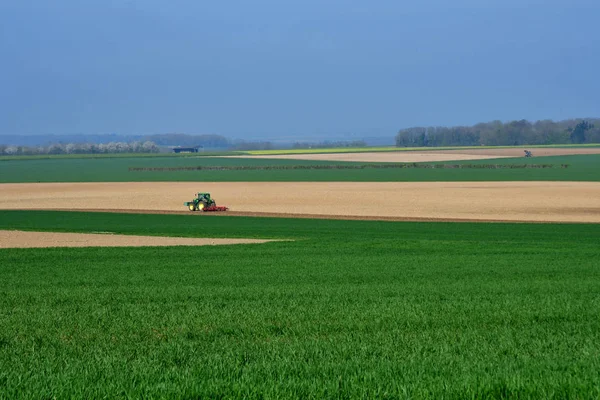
[[347, 309], [219, 169]]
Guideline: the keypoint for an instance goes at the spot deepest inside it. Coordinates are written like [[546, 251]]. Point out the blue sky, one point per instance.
[[292, 68]]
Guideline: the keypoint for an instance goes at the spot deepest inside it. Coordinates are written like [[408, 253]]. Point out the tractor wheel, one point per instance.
[[192, 207], [201, 206]]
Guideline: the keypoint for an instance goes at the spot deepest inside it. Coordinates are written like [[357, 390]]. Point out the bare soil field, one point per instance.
[[21, 239], [448, 201], [431, 155]]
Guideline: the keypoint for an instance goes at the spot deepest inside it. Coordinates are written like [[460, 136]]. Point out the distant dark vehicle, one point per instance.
[[185, 149], [528, 153]]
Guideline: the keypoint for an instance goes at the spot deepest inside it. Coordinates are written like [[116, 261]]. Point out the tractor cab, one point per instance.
[[203, 197]]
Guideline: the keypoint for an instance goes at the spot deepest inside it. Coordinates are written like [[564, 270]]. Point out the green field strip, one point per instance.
[[579, 168], [358, 309], [279, 228]]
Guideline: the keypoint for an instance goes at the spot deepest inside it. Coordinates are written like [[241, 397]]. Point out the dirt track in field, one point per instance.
[[21, 239], [446, 201], [432, 155]]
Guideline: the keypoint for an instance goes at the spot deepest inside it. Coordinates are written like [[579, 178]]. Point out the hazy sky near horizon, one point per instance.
[[268, 68]]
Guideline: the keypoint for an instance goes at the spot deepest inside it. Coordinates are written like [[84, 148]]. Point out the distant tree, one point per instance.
[[123, 147], [70, 148], [150, 147], [10, 150], [56, 149], [578, 133], [137, 147], [516, 133], [593, 135], [411, 137]]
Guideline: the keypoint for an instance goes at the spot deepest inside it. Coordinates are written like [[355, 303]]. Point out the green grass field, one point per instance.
[[350, 309], [122, 169]]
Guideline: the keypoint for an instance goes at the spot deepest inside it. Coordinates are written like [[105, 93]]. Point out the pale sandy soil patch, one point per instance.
[[392, 156], [22, 239], [431, 155], [503, 201], [537, 152]]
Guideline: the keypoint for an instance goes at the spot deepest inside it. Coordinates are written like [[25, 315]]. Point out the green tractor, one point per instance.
[[203, 202]]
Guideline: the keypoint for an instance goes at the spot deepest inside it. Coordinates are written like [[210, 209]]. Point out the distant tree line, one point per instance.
[[168, 139], [329, 144], [47, 139], [82, 148], [56, 144], [497, 133], [208, 142]]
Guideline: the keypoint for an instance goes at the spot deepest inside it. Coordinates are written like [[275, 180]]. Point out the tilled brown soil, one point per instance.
[[432, 155], [21, 239], [445, 201], [537, 152]]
